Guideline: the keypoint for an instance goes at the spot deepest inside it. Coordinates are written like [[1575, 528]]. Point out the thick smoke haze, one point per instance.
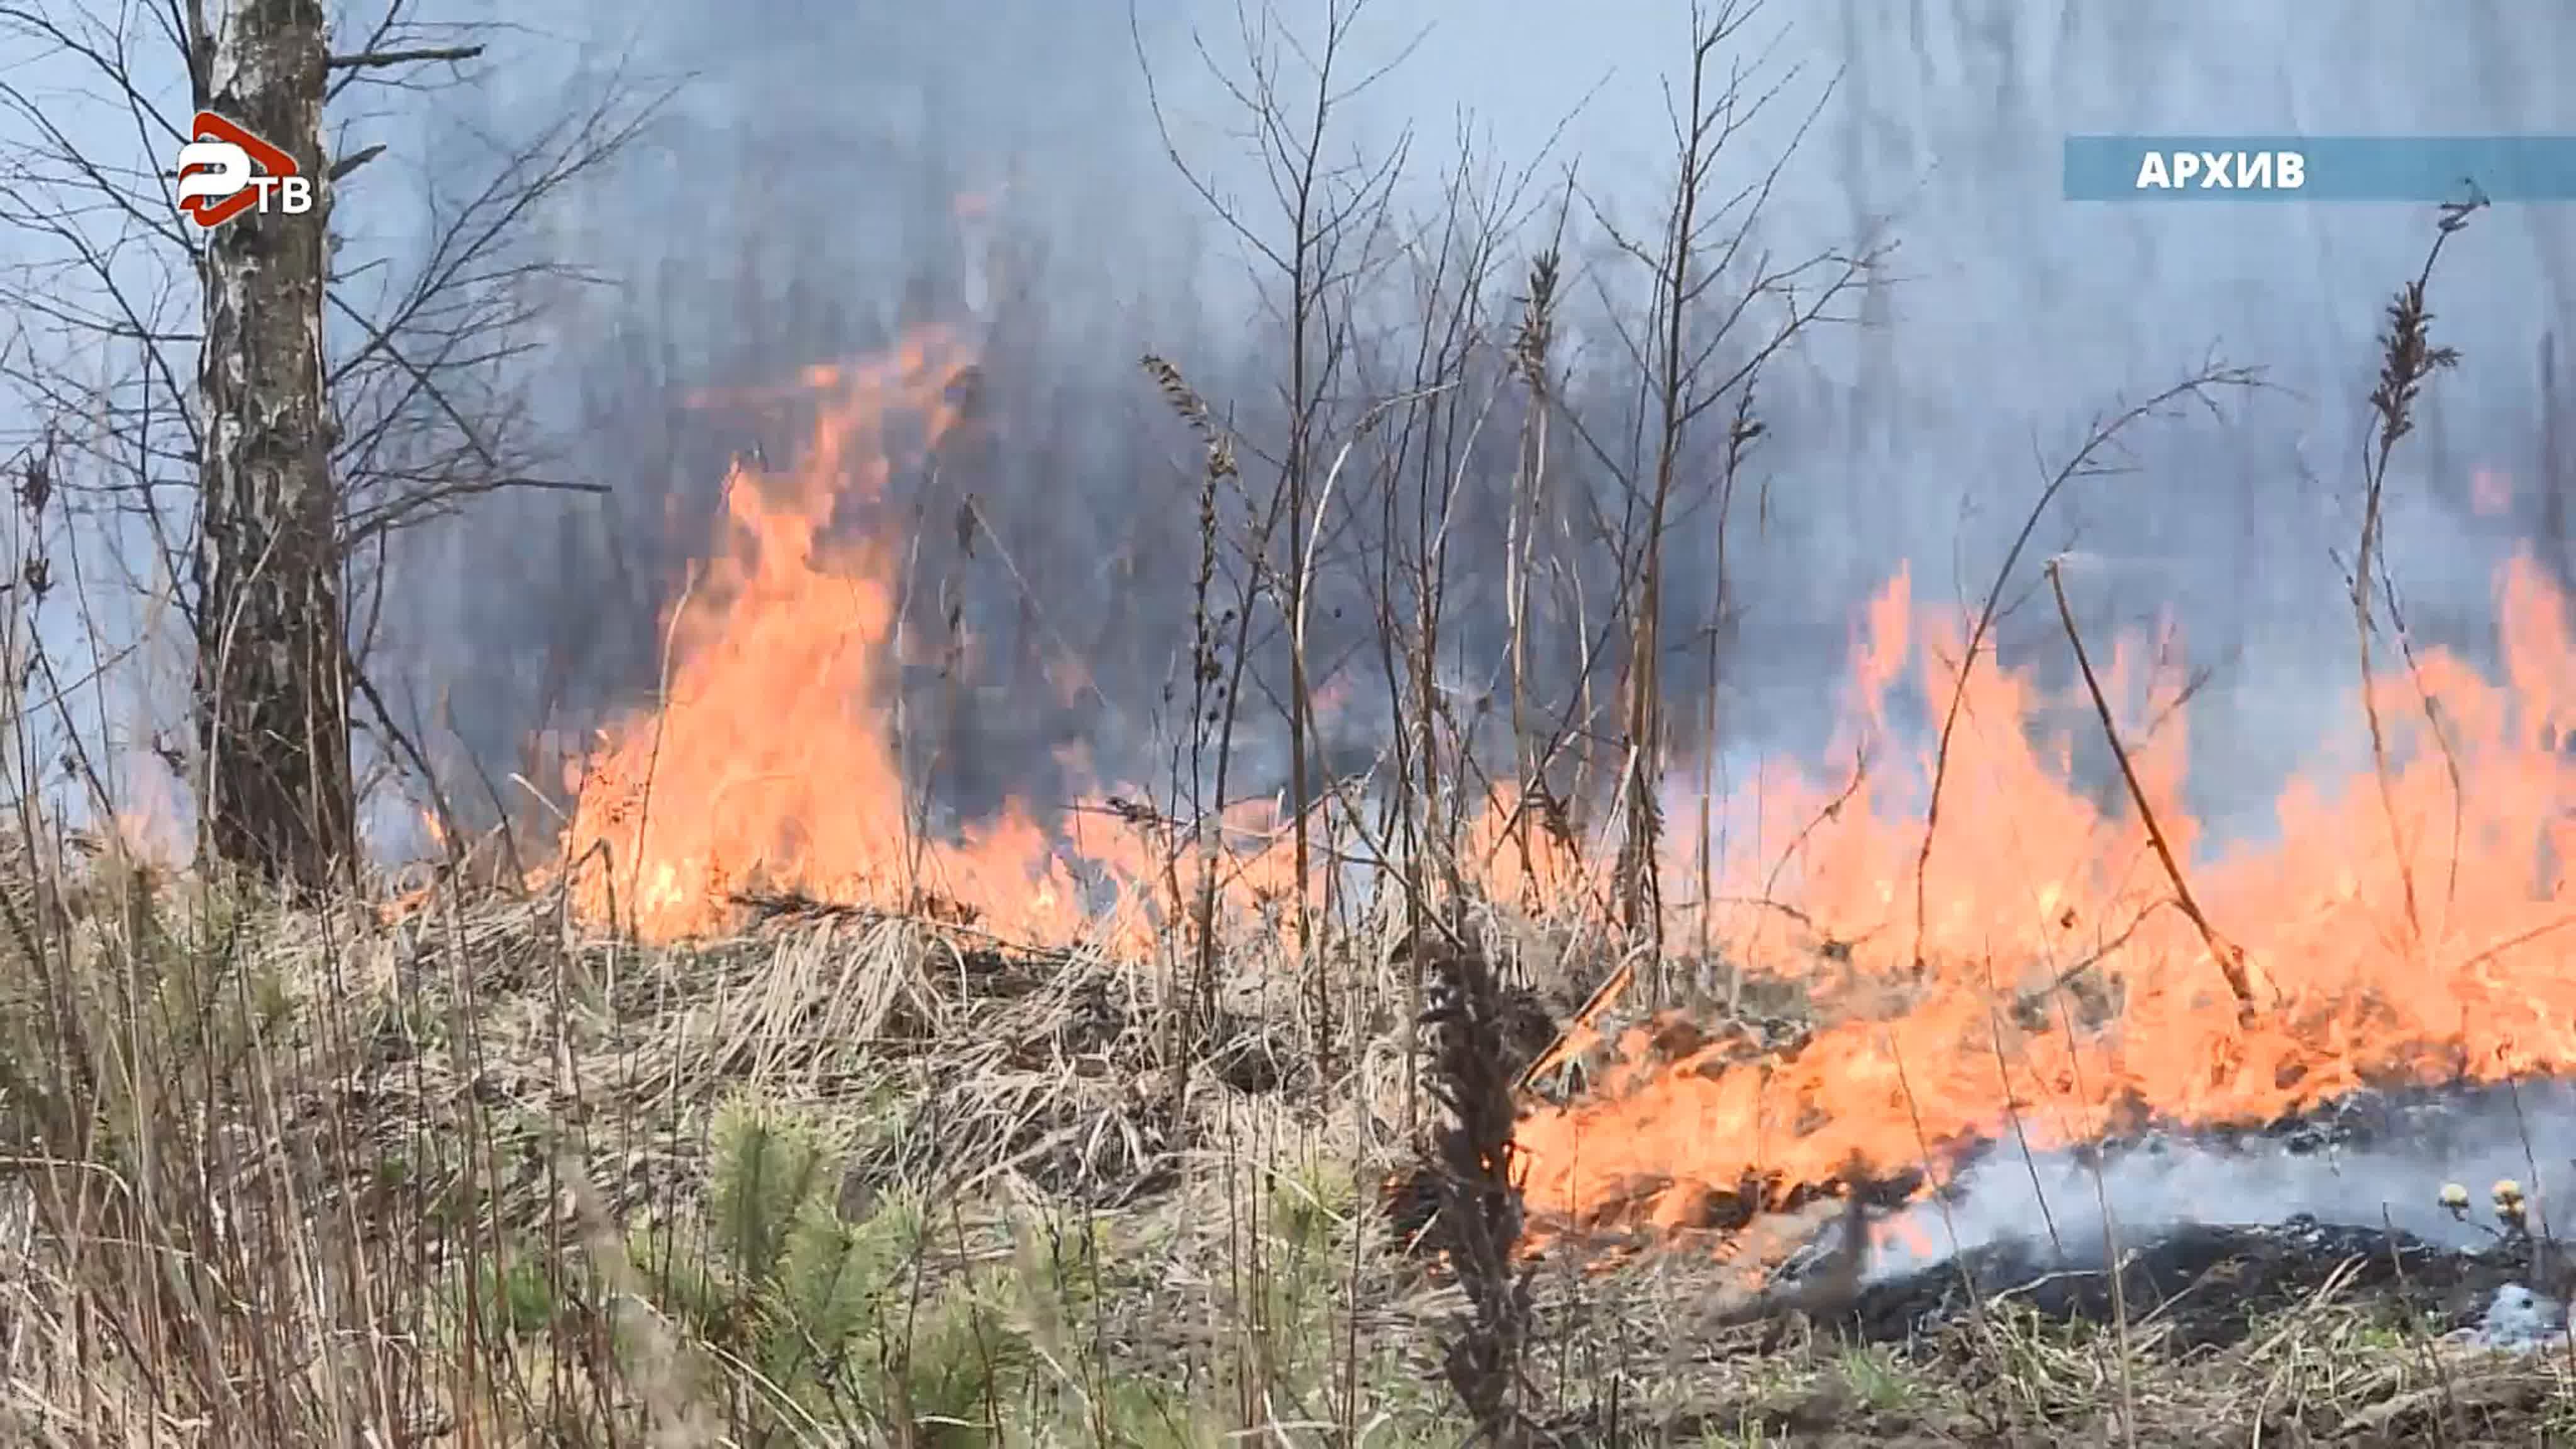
[[828, 172], [801, 202]]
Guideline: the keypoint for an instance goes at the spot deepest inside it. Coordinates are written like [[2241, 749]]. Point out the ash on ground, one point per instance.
[[2208, 1285], [2436, 1205]]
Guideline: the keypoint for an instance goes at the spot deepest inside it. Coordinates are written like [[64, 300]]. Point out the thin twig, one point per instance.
[[2199, 388], [2229, 956]]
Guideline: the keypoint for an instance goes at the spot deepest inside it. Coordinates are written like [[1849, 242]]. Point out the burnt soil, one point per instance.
[[2210, 1285]]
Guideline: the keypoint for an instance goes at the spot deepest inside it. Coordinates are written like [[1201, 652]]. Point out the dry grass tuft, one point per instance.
[[288, 1178], [1479, 1222]]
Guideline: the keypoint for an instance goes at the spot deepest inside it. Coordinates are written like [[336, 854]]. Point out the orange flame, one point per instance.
[[770, 760], [2031, 884]]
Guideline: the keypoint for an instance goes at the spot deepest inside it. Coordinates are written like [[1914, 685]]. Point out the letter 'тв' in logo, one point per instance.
[[225, 171]]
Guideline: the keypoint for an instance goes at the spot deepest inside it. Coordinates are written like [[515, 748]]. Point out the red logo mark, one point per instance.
[[217, 181]]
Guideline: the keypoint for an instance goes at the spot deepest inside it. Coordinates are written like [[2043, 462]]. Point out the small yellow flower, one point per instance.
[[2509, 1209]]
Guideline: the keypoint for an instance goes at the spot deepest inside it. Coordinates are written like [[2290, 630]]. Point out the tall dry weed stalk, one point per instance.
[[1211, 688], [1532, 361], [1480, 1208], [2408, 359], [1719, 311]]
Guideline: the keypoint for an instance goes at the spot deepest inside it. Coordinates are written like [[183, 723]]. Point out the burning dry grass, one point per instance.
[[2047, 964], [473, 1177], [1019, 1134]]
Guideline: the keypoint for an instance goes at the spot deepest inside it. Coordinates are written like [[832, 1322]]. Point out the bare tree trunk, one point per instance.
[[278, 793]]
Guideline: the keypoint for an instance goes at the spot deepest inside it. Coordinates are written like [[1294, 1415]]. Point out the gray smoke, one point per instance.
[[797, 201], [798, 205], [2393, 1174]]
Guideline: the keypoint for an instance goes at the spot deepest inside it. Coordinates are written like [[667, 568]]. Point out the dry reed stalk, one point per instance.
[[1480, 1214], [2408, 359], [2229, 956], [1532, 344], [1196, 1000]]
